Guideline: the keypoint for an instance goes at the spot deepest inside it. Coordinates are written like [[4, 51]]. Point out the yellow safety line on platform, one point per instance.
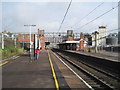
[[53, 72], [4, 63], [8, 61]]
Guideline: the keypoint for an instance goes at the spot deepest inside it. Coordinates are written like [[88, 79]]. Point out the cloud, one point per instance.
[[51, 26], [48, 16], [58, 0]]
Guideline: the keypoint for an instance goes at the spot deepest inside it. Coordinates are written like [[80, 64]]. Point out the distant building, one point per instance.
[[5, 31], [102, 36], [9, 35], [93, 39], [41, 38], [53, 39], [64, 38], [25, 38], [72, 43], [112, 39], [88, 39], [70, 35]]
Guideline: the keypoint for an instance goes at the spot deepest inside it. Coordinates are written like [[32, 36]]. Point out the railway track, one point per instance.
[[95, 77]]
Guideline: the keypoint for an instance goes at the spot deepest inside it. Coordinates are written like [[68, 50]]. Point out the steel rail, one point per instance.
[[101, 83]]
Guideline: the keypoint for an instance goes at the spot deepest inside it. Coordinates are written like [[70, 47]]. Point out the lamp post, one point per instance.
[[30, 36]]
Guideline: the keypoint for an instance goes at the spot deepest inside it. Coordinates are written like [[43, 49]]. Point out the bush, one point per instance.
[[11, 51], [89, 49]]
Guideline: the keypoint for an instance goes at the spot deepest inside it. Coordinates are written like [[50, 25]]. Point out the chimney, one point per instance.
[[70, 35], [41, 38], [41, 32], [81, 35]]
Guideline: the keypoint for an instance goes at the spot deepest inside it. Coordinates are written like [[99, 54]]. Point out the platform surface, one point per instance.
[[22, 73], [104, 55]]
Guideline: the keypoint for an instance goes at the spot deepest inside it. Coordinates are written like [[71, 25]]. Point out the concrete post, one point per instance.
[[96, 50]]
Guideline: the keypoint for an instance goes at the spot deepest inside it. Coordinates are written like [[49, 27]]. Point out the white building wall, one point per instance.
[[93, 40], [101, 36]]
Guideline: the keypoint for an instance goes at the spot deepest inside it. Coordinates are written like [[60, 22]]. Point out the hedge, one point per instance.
[[10, 51]]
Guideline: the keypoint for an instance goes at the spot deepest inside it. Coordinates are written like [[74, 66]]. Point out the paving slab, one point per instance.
[[72, 80], [21, 73]]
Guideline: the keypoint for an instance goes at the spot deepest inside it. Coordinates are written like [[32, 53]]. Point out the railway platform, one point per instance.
[[49, 71], [105, 55]]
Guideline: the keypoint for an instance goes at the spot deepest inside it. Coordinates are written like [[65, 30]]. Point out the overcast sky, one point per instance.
[[48, 16]]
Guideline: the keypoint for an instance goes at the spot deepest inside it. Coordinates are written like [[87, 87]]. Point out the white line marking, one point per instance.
[[73, 71]]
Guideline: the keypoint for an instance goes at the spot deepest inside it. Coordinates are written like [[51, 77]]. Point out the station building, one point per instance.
[[72, 43]]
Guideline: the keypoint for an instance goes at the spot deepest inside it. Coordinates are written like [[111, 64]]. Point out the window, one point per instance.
[[23, 37], [28, 37]]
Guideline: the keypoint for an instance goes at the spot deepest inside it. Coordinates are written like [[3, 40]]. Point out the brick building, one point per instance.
[[70, 35], [70, 42], [81, 41], [24, 39], [42, 38]]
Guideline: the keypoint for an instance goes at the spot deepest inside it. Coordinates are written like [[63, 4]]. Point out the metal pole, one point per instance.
[[2, 41], [30, 41], [96, 43], [23, 44], [34, 44], [15, 41]]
